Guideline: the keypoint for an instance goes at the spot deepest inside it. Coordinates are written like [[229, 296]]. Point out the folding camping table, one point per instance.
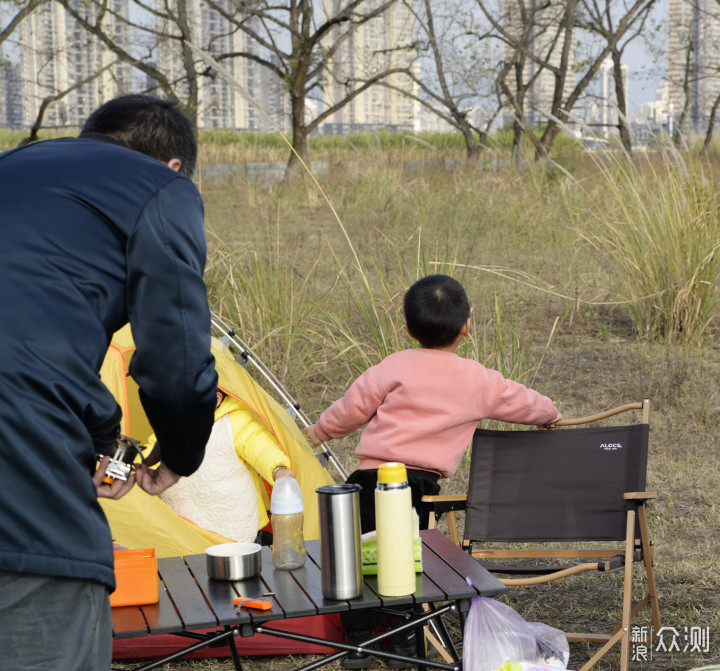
[[190, 601]]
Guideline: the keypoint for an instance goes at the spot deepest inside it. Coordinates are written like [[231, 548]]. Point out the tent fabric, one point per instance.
[[139, 520], [114, 373], [237, 382]]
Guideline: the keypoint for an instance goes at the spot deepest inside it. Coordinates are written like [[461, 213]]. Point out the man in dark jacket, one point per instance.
[[95, 231]]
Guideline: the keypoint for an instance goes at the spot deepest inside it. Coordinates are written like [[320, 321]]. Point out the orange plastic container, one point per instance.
[[136, 578]]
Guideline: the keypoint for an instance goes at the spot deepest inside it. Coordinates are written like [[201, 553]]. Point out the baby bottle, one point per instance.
[[394, 528], [286, 506]]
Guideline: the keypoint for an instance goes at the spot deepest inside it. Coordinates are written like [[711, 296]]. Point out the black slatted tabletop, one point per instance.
[[189, 600]]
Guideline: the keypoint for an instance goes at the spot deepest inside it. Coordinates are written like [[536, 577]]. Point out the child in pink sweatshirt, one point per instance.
[[421, 407]]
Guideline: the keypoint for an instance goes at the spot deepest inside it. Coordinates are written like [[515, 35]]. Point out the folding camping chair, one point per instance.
[[574, 485]]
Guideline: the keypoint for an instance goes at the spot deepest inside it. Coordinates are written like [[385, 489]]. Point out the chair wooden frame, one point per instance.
[[637, 547]]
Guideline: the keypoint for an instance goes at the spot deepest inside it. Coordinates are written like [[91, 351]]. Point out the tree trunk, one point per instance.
[[300, 149], [680, 126], [190, 106], [542, 148], [711, 124], [473, 147], [622, 124], [557, 111], [686, 85], [302, 55], [517, 138], [473, 153]]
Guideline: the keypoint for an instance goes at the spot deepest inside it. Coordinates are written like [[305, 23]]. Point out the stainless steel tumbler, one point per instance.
[[341, 556]]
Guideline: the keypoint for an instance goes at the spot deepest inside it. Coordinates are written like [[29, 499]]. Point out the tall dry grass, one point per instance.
[[656, 224], [309, 283], [565, 269], [319, 299], [229, 146], [552, 309]]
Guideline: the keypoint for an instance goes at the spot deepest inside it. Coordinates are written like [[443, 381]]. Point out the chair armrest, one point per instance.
[[644, 406], [443, 503], [446, 504], [640, 496]]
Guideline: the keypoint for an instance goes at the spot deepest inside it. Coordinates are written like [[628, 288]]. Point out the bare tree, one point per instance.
[[169, 29], [17, 14], [458, 83], [685, 86], [300, 41], [601, 19], [693, 67], [711, 123], [715, 16], [540, 37], [297, 40], [54, 88], [530, 37], [49, 100]]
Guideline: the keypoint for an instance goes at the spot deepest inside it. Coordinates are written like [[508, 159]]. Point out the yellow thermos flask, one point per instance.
[[394, 528]]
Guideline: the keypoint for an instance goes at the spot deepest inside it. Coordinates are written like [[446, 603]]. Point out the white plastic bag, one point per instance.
[[527, 666], [495, 633]]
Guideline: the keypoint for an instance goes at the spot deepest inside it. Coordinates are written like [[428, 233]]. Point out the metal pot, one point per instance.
[[233, 561]]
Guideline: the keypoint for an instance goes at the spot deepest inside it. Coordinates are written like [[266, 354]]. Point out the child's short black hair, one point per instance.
[[436, 308]]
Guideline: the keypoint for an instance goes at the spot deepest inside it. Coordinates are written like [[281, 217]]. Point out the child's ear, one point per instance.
[[465, 330], [407, 328]]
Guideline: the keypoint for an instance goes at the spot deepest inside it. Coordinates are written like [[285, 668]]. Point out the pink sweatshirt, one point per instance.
[[421, 407]]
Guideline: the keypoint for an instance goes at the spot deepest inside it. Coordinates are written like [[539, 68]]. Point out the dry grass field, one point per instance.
[[317, 294]]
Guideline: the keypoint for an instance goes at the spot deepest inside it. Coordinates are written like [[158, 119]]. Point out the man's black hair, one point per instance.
[[154, 126], [436, 308]]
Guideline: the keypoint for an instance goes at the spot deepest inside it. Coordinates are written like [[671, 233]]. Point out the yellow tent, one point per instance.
[[139, 520]]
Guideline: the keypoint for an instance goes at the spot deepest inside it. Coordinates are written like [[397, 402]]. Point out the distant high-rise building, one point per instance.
[[373, 47], [655, 111], [222, 102], [273, 98], [544, 45], [57, 53], [426, 120], [693, 59], [10, 95]]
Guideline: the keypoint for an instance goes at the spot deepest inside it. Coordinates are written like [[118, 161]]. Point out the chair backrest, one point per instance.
[[556, 485]]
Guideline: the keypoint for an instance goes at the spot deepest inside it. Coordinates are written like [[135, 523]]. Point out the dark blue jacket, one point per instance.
[[92, 235]]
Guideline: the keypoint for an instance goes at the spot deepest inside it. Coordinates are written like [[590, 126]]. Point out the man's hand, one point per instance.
[[115, 489], [155, 480], [311, 435]]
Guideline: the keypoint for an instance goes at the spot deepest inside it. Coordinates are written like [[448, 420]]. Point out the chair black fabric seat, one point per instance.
[[560, 485], [583, 488]]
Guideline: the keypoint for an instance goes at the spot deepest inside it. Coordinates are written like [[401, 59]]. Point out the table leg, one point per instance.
[[345, 649], [234, 653]]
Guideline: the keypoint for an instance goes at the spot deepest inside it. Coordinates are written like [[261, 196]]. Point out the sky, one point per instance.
[[645, 72]]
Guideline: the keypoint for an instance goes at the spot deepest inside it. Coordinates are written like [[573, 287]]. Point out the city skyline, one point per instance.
[[55, 53]]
